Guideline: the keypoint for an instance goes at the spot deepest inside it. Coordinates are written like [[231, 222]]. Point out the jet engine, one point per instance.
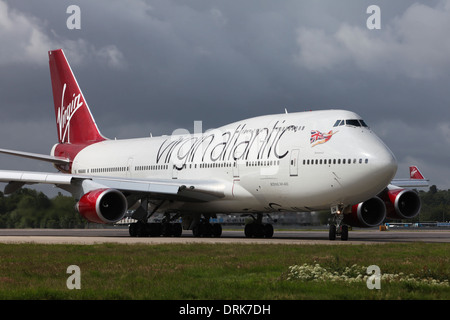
[[367, 214], [401, 203], [103, 206]]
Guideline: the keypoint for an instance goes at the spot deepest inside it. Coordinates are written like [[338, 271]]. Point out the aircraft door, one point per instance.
[[129, 167], [174, 170], [235, 169], [293, 165]]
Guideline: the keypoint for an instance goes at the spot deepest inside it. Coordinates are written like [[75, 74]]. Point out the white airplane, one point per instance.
[[287, 162]]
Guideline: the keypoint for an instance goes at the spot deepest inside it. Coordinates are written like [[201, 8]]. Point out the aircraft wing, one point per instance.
[[417, 180], [173, 189], [176, 189]]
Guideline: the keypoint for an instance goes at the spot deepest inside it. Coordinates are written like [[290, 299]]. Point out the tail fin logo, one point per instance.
[[415, 173], [65, 114]]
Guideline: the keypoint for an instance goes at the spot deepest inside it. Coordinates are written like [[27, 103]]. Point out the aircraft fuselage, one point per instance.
[[286, 162]]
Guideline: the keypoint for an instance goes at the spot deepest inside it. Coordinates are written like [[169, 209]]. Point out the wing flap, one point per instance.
[[128, 185]]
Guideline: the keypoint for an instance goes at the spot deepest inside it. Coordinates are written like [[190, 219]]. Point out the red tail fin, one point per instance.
[[74, 120], [414, 173]]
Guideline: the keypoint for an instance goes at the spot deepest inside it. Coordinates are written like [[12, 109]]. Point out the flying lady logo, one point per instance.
[[65, 114], [318, 137]]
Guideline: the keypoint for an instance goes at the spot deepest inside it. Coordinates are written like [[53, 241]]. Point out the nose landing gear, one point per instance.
[[337, 228]]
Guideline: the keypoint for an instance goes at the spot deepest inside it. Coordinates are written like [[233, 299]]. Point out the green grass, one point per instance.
[[213, 271]]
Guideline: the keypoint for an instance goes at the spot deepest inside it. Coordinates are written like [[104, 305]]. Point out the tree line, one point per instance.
[[435, 205], [28, 208]]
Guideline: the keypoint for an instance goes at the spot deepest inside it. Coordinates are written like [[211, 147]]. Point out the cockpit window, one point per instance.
[[351, 122], [339, 123]]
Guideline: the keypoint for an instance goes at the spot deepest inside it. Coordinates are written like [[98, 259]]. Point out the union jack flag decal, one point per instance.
[[318, 137]]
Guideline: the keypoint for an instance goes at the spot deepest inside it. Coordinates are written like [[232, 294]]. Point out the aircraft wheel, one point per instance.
[[332, 232], [249, 230], [166, 229], [132, 230], [196, 231], [142, 230], [216, 230], [268, 230], [177, 230], [154, 229], [207, 229], [344, 233], [258, 230]]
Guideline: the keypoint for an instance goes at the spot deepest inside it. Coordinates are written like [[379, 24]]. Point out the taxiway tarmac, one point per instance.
[[120, 235]]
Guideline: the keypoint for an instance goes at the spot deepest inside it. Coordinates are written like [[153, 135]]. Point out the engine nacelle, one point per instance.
[[401, 203], [103, 206], [367, 214]]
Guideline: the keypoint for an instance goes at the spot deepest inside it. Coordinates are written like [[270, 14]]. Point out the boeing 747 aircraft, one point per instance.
[[287, 162]]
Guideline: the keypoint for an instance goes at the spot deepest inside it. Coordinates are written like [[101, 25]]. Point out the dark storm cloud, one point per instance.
[[155, 66]]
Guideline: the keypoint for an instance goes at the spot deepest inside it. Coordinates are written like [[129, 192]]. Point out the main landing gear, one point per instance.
[[257, 229], [166, 228], [157, 229], [206, 229], [337, 228]]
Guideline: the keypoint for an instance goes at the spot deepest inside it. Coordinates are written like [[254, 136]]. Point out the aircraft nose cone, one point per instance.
[[385, 164], [390, 163]]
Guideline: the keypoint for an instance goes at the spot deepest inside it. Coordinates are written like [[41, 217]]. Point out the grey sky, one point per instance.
[[155, 66]]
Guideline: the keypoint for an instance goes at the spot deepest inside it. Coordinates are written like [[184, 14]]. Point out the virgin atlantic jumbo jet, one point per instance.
[[274, 163]]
